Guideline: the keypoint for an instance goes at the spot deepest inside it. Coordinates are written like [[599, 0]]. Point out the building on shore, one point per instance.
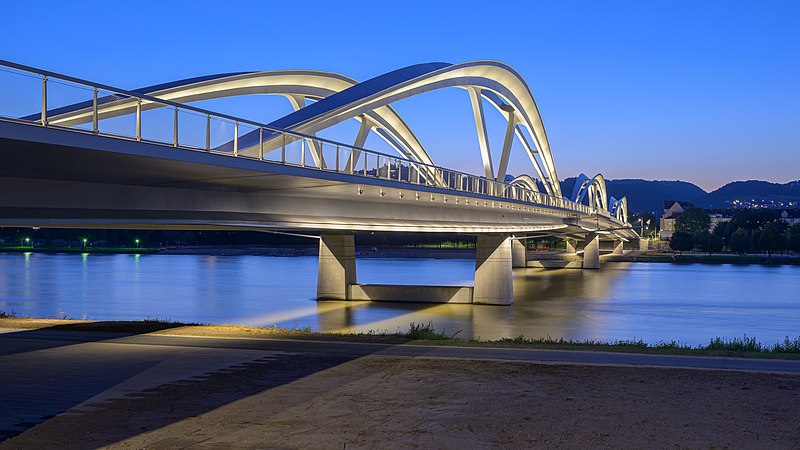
[[672, 210]]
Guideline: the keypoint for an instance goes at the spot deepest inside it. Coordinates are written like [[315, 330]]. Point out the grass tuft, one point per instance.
[[420, 332]]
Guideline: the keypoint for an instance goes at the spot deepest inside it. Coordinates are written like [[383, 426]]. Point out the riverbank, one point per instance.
[[79, 250], [158, 391], [705, 258], [420, 334], [415, 252]]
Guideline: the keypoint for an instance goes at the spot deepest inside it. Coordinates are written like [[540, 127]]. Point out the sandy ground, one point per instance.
[[324, 401]]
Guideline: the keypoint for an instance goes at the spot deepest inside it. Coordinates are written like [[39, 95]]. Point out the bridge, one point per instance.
[[81, 154]]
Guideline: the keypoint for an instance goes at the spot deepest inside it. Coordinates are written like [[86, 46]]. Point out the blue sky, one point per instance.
[[700, 91]]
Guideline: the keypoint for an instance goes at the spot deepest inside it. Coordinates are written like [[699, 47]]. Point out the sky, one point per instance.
[[701, 91]]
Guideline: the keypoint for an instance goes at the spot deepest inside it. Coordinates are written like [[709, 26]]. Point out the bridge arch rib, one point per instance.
[[295, 85], [593, 188], [496, 82], [619, 209]]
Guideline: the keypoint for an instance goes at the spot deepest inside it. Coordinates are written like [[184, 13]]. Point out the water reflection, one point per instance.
[[654, 302]]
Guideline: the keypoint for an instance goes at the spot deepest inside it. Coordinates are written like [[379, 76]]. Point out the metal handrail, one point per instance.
[[392, 169]]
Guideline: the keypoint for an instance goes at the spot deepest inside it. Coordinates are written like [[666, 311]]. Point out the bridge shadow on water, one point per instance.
[[107, 386]]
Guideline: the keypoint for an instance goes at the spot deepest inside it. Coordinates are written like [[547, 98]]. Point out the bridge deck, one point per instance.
[[68, 179]]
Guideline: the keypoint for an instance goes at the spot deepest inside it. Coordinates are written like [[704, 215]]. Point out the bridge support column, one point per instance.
[[519, 253], [571, 244], [493, 272], [337, 266], [619, 248], [591, 252]]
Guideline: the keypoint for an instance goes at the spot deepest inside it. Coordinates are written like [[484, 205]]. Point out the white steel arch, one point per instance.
[[594, 189], [492, 80], [619, 209], [339, 98], [295, 85]]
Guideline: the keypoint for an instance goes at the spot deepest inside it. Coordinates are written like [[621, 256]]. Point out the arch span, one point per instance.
[[593, 188], [296, 85], [619, 209], [495, 81]]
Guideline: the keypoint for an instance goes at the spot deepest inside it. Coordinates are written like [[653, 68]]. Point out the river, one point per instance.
[[690, 303]]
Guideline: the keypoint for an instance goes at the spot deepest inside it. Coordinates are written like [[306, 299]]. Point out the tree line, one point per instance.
[[748, 231]]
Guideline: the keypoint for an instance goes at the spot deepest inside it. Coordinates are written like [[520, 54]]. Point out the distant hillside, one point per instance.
[[749, 190], [649, 195]]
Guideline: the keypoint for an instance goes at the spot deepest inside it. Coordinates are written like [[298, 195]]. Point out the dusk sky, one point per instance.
[[705, 92]]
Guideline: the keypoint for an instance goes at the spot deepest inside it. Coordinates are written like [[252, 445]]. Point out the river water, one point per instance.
[[690, 303]]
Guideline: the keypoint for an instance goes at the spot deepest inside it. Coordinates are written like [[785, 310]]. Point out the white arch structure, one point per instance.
[[501, 85], [619, 209], [593, 188], [296, 85], [336, 98]]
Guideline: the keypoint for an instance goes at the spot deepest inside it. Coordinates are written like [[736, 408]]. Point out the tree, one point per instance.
[[711, 243], [740, 241], [693, 220], [681, 241], [755, 241], [751, 219], [772, 238], [794, 238]]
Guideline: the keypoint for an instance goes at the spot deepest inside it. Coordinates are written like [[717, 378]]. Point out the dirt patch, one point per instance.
[[324, 401]]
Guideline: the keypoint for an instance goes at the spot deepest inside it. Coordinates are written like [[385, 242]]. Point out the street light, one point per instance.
[[27, 241], [84, 242], [137, 243]]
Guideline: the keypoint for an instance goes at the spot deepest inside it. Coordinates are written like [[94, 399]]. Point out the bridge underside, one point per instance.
[[59, 178]]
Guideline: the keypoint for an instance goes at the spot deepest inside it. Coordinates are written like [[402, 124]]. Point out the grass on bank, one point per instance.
[[688, 257], [102, 250], [418, 333]]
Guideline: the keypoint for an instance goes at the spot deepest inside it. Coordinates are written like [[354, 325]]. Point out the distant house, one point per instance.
[[790, 216], [672, 210], [719, 216]]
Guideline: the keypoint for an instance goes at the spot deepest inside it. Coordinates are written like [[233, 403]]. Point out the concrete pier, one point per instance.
[[493, 271], [591, 252], [619, 248], [337, 266], [519, 253], [336, 279], [571, 244]]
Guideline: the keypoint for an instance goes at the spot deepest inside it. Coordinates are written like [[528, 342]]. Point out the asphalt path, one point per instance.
[[14, 341]]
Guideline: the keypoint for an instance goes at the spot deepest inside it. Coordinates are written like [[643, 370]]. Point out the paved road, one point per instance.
[[46, 372]]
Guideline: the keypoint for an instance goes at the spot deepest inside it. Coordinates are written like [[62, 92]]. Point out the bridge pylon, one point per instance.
[[337, 266]]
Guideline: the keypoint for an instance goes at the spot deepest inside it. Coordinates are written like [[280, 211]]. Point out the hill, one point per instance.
[[649, 195], [761, 192]]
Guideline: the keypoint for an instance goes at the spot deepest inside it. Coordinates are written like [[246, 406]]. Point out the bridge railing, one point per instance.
[[49, 99]]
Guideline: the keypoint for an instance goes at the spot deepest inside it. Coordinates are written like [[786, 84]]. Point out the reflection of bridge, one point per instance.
[[80, 154]]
